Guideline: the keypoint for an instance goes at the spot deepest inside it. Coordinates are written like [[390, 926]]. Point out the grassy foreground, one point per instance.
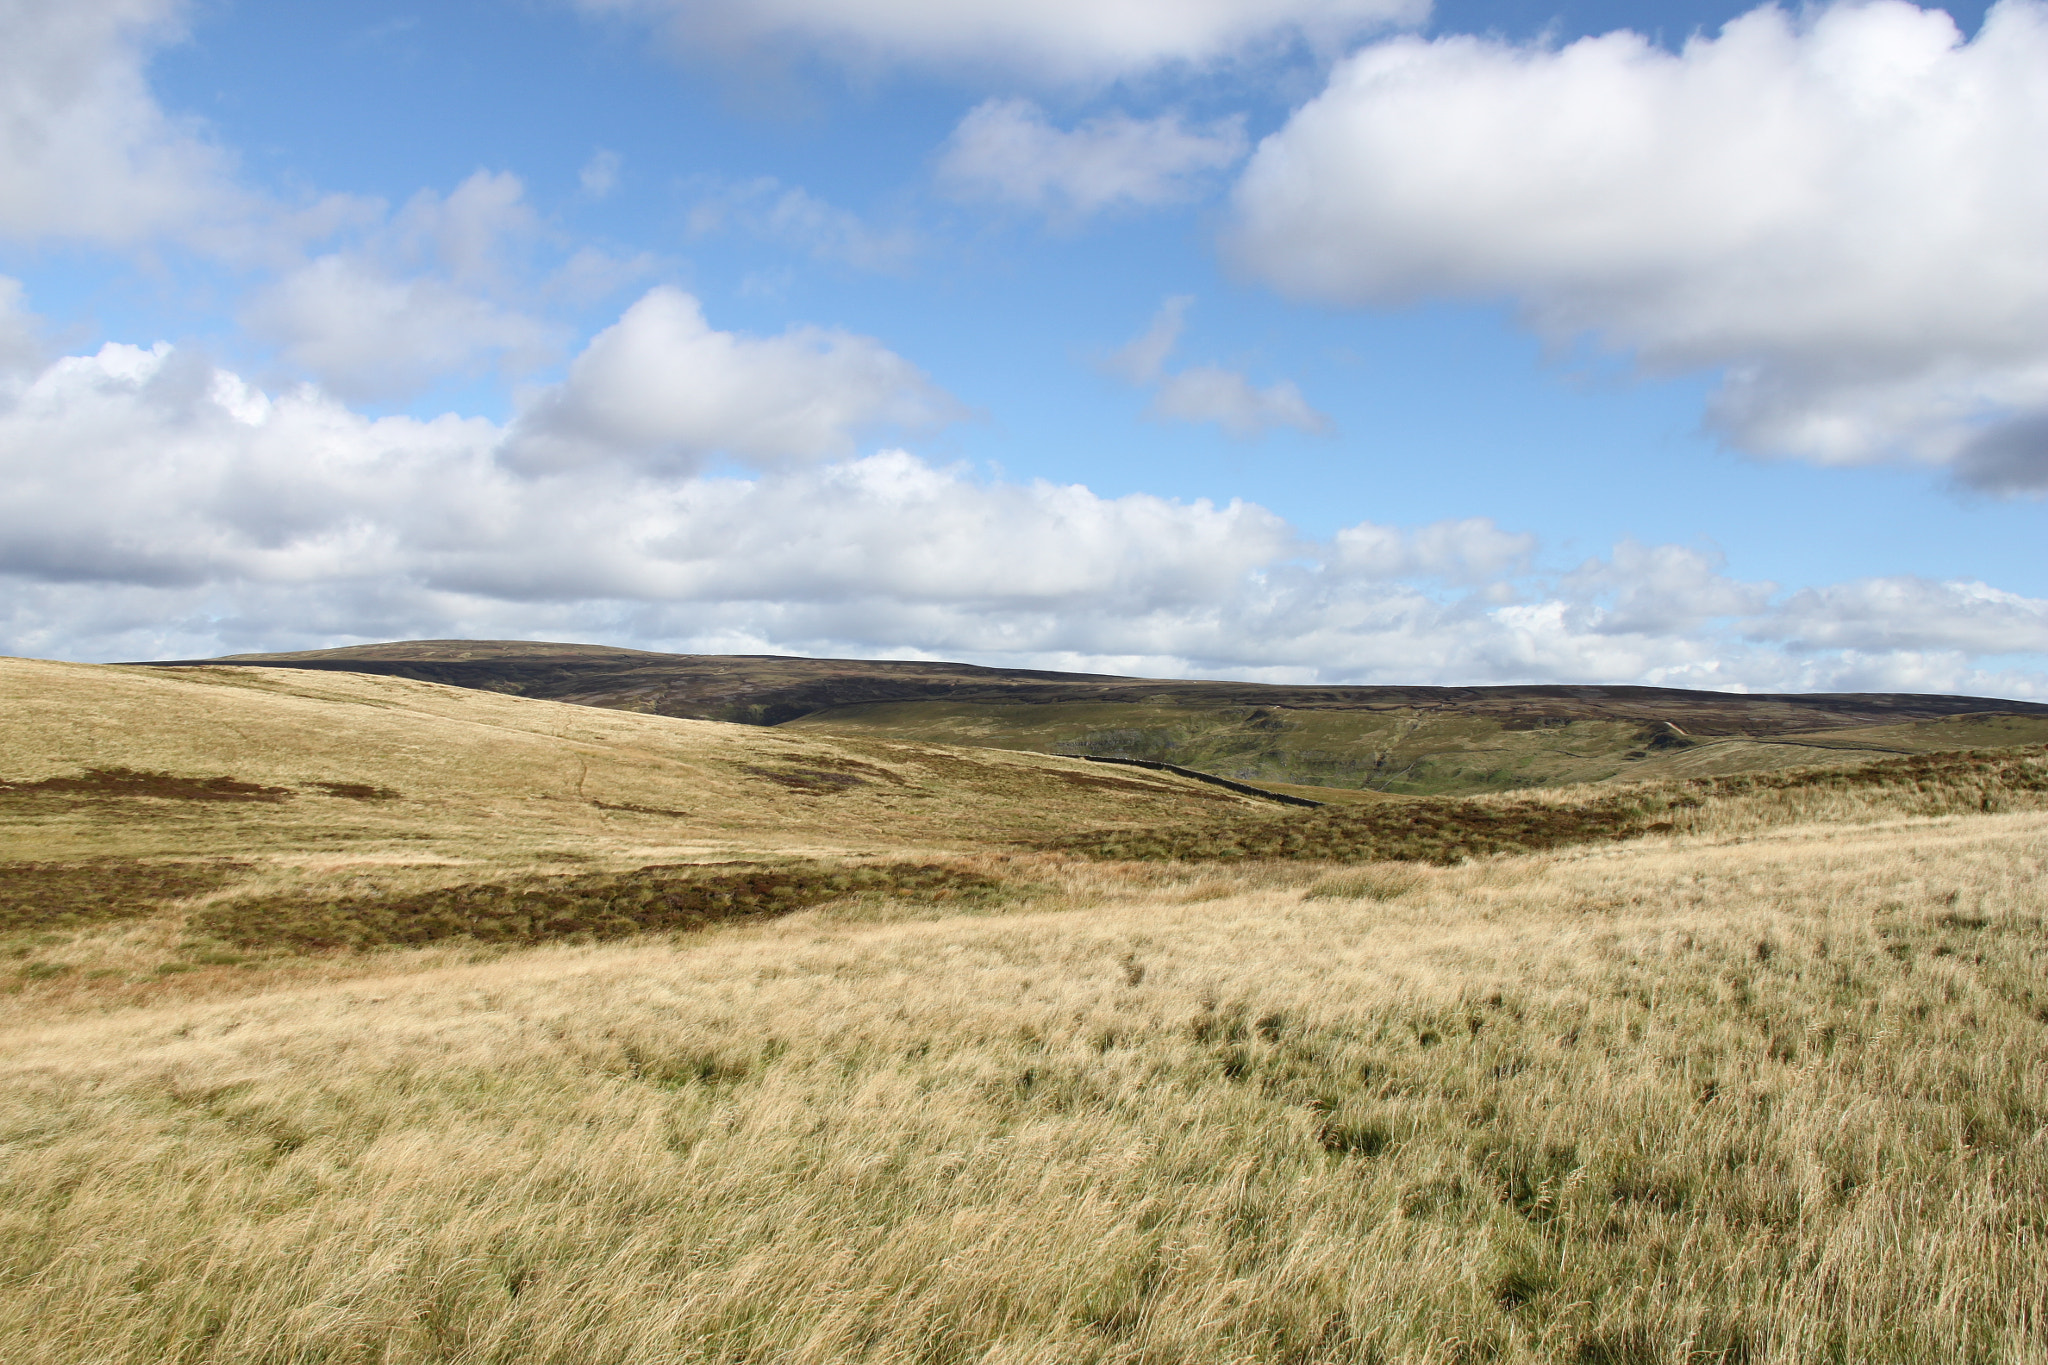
[[1765, 1080], [1772, 1100]]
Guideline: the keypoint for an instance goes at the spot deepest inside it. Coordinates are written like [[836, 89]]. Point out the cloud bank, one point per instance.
[[1844, 213], [163, 507]]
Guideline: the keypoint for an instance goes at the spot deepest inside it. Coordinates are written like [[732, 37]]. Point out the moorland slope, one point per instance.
[[1414, 740], [165, 820], [316, 760]]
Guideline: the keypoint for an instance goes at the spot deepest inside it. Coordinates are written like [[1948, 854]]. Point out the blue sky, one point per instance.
[[1345, 340]]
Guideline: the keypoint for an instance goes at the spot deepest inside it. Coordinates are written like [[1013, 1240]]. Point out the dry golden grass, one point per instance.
[[1772, 1100], [167, 831], [371, 766]]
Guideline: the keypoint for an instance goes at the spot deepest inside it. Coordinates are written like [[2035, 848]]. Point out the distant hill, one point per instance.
[[1394, 739]]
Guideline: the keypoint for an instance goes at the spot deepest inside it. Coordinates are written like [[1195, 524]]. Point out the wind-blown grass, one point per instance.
[[1779, 1100]]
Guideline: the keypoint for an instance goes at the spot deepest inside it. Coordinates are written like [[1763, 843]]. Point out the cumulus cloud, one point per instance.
[[421, 297], [1879, 614], [85, 150], [158, 506], [369, 335], [1005, 150], [1664, 589], [1208, 393], [88, 155], [662, 388], [1843, 212], [1064, 40], [1468, 552]]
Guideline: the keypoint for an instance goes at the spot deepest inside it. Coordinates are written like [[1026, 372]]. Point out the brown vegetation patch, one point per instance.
[[810, 781], [1937, 774], [1431, 831], [1445, 831], [630, 808], [550, 909], [853, 767], [69, 895], [355, 791], [123, 782]]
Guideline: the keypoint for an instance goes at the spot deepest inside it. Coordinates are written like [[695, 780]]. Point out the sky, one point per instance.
[[1345, 341]]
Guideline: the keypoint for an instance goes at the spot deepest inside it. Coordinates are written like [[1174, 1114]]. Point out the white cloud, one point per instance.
[[1660, 589], [600, 175], [1055, 39], [1142, 360], [85, 151], [371, 336], [1468, 552], [87, 154], [794, 218], [1208, 393], [1879, 614], [160, 507], [664, 389], [1005, 150], [421, 297], [1844, 212]]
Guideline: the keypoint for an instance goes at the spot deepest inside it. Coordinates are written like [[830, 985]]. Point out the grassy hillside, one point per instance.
[[1411, 751], [352, 1018], [1412, 740], [167, 820], [367, 764]]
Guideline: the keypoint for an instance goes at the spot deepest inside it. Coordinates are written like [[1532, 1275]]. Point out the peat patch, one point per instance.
[[42, 896], [127, 782], [585, 907]]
